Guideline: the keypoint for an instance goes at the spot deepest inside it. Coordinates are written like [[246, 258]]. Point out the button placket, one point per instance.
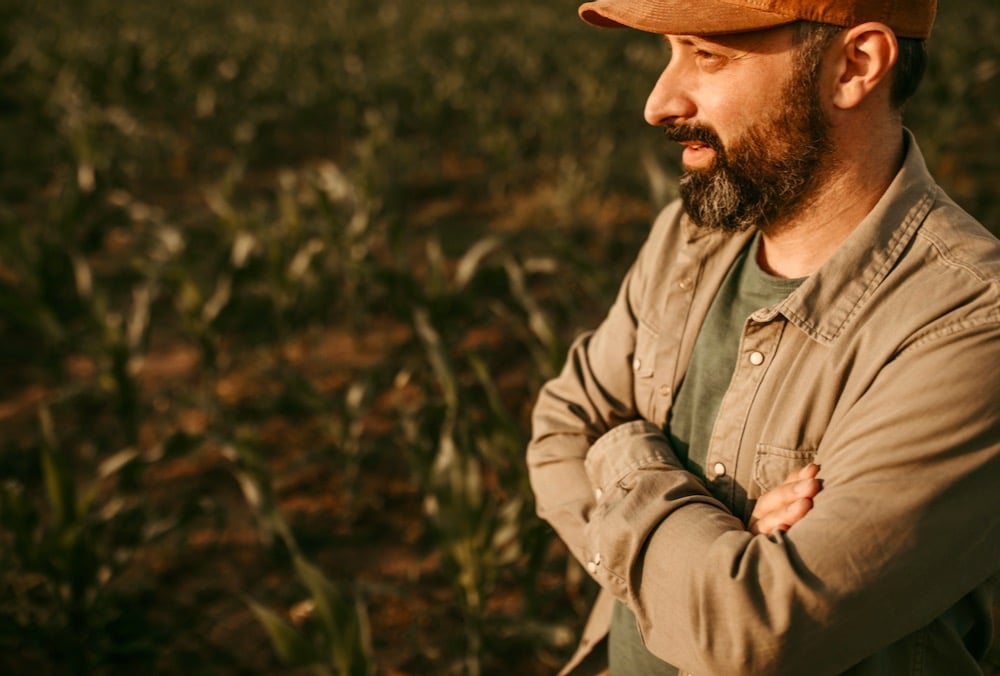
[[725, 455]]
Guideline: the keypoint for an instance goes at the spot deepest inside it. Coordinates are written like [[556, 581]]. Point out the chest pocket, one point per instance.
[[772, 465], [644, 371]]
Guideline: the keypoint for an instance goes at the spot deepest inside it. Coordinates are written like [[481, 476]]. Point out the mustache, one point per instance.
[[699, 133]]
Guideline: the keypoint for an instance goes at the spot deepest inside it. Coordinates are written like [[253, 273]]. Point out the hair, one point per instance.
[[812, 39], [910, 68]]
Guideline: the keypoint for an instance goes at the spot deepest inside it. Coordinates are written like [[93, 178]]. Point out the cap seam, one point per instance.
[[759, 5]]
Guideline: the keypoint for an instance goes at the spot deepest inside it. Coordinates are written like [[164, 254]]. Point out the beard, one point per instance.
[[769, 172]]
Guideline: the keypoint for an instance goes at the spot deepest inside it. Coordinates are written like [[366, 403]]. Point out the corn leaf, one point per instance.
[[291, 647]]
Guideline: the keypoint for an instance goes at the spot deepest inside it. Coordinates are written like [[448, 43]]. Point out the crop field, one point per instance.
[[278, 284]]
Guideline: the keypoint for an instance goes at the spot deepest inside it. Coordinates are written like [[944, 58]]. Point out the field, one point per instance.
[[278, 284]]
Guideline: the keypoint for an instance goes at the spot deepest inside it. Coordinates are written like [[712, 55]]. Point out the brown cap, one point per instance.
[[908, 18]]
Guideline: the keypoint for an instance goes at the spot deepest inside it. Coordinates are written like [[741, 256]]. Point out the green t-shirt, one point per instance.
[[745, 290]]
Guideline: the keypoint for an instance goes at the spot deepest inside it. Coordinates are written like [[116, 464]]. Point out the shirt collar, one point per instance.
[[827, 302]]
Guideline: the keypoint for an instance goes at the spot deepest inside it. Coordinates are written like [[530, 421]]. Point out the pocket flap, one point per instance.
[[773, 464]]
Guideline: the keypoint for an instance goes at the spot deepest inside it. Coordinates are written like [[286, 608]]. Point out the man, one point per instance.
[[813, 303]]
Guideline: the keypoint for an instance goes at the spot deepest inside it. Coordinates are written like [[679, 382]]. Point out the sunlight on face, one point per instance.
[[768, 171], [747, 109]]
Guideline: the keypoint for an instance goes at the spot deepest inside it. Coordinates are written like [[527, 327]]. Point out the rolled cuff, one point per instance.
[[624, 449]]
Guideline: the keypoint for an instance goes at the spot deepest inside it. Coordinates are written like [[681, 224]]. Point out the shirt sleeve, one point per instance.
[[910, 478], [565, 424], [593, 393]]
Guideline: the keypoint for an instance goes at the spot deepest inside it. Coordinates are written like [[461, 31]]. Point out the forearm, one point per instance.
[[591, 395], [712, 598], [563, 496], [708, 596]]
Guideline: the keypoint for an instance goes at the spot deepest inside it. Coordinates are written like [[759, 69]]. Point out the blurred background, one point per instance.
[[278, 284]]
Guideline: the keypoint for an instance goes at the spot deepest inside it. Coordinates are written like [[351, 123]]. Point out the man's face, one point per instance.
[[777, 135]]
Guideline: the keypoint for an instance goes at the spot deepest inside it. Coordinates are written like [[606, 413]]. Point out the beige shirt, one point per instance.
[[882, 367]]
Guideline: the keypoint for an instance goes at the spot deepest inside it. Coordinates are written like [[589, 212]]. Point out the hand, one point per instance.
[[783, 506]]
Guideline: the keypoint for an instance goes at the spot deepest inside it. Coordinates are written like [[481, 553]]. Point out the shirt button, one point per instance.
[[685, 283], [592, 565], [664, 390], [636, 364], [720, 469], [598, 493], [756, 358]]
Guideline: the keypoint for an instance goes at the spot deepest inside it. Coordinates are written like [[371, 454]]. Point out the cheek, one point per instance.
[[730, 109], [743, 107]]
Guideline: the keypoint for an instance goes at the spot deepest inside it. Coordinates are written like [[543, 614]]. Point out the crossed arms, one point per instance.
[[904, 534]]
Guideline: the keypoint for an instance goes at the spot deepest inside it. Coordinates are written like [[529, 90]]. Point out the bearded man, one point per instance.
[[780, 451]]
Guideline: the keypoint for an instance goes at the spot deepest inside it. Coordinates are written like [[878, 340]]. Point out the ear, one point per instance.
[[866, 58]]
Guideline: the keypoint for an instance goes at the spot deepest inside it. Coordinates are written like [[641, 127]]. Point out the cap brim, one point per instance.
[[680, 17]]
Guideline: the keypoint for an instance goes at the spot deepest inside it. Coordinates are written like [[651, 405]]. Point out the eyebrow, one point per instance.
[[692, 41]]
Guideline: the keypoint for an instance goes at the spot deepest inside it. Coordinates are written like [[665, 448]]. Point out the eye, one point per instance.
[[709, 60]]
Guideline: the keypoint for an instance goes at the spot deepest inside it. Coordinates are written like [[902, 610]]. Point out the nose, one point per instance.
[[668, 104]]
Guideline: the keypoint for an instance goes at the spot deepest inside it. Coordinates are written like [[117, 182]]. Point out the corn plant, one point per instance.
[[338, 642], [333, 635], [464, 518], [62, 558], [481, 530]]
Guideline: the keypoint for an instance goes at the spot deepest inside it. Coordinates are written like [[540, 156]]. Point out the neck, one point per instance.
[[850, 185]]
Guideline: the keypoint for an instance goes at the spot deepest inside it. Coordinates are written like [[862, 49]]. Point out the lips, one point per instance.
[[697, 156], [702, 146]]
